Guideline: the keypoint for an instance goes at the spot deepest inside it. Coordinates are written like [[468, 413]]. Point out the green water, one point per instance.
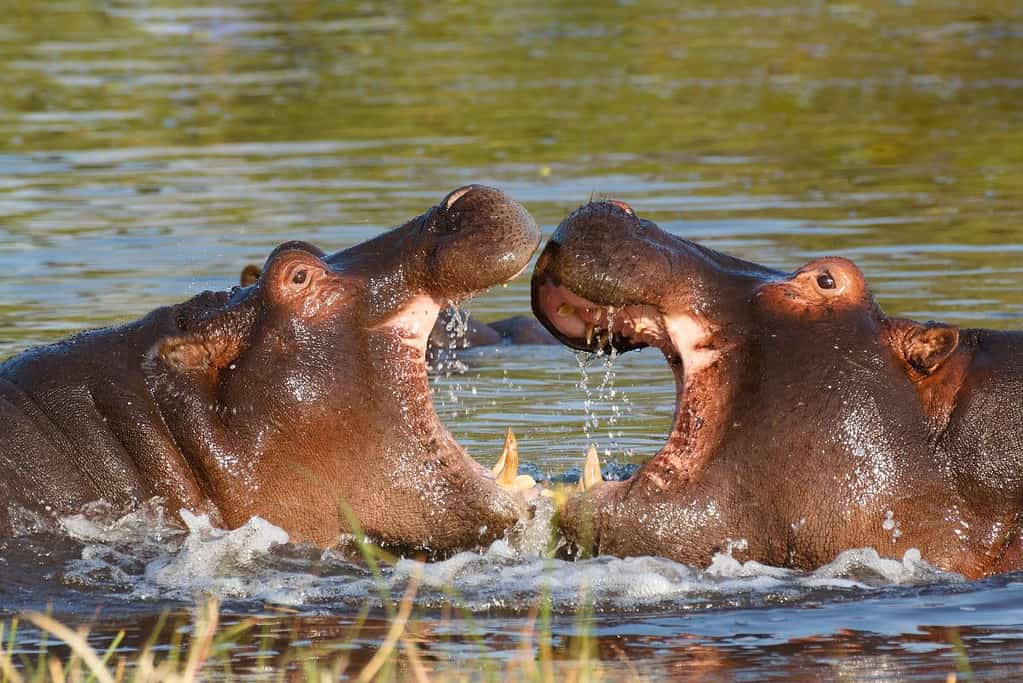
[[150, 150]]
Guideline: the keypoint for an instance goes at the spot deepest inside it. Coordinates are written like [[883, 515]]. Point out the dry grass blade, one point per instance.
[[119, 671], [76, 641], [415, 662], [205, 630], [394, 633], [56, 669], [7, 669]]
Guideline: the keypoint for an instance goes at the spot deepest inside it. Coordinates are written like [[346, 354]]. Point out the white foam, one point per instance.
[[145, 558], [215, 561], [101, 522]]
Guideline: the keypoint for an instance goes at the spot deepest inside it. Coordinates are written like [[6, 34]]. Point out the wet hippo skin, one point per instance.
[[458, 330], [806, 420], [302, 398]]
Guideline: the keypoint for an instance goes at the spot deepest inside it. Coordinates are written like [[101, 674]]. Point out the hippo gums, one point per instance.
[[806, 421], [301, 398]]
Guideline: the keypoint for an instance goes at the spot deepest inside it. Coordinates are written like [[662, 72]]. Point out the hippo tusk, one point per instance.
[[507, 468], [591, 470], [510, 444], [589, 334]]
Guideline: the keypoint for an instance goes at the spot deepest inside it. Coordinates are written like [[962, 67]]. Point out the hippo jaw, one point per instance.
[[618, 303], [474, 239], [807, 422], [318, 374], [689, 344]]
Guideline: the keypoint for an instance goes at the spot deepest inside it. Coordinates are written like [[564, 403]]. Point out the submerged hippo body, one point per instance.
[[807, 421], [302, 398]]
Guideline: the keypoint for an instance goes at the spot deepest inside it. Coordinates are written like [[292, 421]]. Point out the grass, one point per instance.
[[207, 649]]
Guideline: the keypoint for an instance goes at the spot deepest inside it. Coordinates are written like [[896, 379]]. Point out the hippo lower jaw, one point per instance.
[[691, 345], [412, 325], [702, 361]]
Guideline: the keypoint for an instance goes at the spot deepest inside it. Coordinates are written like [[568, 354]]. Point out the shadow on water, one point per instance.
[[149, 151]]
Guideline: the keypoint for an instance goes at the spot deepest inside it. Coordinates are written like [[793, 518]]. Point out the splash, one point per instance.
[[142, 556], [445, 362], [603, 405]]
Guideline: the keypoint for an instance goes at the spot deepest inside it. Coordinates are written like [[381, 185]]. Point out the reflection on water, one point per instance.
[[149, 151]]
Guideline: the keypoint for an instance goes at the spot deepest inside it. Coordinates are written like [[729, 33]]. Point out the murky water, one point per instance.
[[150, 150]]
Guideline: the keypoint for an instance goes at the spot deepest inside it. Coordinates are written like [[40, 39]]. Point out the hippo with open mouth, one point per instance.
[[806, 420], [302, 398], [456, 330]]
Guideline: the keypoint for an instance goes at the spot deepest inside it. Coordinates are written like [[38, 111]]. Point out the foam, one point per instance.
[[144, 557]]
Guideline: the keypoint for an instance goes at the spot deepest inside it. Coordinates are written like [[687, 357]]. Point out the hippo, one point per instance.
[[806, 420], [457, 330], [302, 398]]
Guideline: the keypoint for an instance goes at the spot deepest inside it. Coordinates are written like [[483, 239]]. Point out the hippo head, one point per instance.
[[806, 421], [318, 373]]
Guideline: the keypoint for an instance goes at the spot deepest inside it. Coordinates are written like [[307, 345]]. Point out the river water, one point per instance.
[[149, 150]]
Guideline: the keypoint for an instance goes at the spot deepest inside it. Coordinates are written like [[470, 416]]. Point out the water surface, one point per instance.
[[150, 150]]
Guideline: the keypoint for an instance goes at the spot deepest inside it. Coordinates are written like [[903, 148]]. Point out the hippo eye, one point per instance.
[[299, 277], [825, 281]]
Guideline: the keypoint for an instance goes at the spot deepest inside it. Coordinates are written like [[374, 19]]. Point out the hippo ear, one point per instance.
[[925, 347], [250, 274]]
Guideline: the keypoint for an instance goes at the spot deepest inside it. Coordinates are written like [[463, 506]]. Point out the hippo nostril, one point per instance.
[[456, 195], [622, 205]]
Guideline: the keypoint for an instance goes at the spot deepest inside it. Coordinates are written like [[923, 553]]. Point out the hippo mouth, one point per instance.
[[590, 304], [468, 253], [587, 325], [689, 343]]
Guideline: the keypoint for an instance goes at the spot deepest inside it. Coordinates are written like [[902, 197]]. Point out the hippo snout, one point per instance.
[[476, 238]]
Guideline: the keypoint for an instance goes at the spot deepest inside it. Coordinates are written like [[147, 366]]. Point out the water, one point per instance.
[[150, 151]]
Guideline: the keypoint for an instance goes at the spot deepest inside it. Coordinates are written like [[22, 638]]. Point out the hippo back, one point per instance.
[[79, 424]]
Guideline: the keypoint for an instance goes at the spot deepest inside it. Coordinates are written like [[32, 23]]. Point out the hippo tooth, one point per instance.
[[566, 310], [589, 334], [507, 468], [510, 444], [507, 476], [591, 470]]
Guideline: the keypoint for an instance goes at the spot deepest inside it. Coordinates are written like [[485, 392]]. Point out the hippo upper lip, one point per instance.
[[588, 325]]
